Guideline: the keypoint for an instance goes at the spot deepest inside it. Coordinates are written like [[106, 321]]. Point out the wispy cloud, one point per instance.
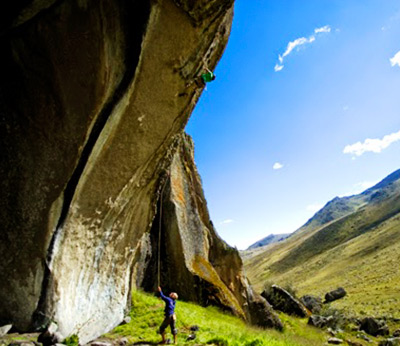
[[325, 28], [297, 43], [314, 207], [277, 165], [395, 60], [227, 221], [374, 145]]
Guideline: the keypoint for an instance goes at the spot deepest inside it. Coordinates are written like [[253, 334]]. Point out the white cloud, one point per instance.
[[325, 28], [225, 222], [374, 145], [277, 165], [314, 207], [297, 43], [396, 59]]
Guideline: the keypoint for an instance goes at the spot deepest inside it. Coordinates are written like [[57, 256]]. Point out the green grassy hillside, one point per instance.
[[215, 327], [359, 251]]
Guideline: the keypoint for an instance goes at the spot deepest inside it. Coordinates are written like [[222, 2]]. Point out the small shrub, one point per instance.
[[72, 340], [218, 341], [255, 342]]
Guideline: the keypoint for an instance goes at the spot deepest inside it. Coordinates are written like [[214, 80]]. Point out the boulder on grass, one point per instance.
[[335, 341], [335, 295], [262, 314], [374, 327], [5, 329], [282, 300]]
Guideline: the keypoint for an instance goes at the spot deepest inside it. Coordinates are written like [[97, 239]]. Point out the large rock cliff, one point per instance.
[[93, 97], [186, 254]]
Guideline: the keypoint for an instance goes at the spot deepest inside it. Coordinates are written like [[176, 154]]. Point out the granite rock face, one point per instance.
[[188, 256], [93, 96]]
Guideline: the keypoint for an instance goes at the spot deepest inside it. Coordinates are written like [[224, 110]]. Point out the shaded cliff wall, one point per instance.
[[92, 95], [187, 255]]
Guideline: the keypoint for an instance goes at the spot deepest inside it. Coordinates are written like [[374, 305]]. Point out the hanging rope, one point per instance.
[[159, 234]]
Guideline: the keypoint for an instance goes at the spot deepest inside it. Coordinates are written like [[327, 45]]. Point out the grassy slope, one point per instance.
[[360, 252], [147, 315]]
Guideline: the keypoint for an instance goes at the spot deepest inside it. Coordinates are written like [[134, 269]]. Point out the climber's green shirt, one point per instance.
[[207, 77]]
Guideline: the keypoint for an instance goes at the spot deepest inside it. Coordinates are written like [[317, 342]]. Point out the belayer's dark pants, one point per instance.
[[169, 321]]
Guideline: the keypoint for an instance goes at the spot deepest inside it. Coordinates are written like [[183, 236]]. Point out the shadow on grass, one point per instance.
[[146, 343]]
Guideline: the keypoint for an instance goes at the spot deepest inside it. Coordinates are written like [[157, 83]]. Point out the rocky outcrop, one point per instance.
[[188, 256], [92, 96]]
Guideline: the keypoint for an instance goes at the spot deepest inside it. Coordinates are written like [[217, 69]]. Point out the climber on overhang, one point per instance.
[[169, 313], [208, 76]]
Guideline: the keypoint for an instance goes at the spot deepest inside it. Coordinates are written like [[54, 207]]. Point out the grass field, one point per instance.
[[215, 327]]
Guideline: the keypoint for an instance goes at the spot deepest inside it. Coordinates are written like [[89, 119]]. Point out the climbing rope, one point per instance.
[[159, 235]]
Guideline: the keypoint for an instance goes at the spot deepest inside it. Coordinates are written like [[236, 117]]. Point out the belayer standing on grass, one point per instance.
[[170, 317]]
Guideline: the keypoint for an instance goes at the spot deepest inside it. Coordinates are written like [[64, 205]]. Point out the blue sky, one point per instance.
[[301, 88]]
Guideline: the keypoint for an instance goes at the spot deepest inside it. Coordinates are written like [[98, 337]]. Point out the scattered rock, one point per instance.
[[123, 341], [331, 331], [364, 337], [312, 303], [50, 336], [126, 320], [390, 342], [5, 329], [194, 328], [283, 301], [335, 341], [374, 327], [321, 321], [191, 337], [335, 295], [396, 333], [100, 343]]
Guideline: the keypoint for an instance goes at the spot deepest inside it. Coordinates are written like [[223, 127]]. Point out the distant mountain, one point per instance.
[[272, 238], [342, 206], [352, 241]]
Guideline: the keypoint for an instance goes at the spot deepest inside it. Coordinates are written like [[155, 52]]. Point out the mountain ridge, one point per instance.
[[350, 238], [269, 239]]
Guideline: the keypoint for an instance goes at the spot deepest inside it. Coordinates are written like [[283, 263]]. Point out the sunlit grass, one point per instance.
[[215, 327]]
